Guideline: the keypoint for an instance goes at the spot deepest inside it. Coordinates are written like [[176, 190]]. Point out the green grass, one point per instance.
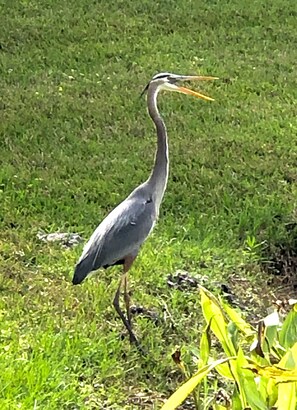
[[76, 139]]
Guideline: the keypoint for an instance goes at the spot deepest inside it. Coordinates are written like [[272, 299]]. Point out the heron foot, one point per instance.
[[138, 345]]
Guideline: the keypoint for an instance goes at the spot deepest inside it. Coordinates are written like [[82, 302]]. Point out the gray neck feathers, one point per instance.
[[158, 178]]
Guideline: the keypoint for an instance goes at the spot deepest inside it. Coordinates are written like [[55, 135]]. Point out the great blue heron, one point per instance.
[[118, 238]]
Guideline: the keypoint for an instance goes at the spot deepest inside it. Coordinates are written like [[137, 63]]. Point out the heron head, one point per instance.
[[170, 82]]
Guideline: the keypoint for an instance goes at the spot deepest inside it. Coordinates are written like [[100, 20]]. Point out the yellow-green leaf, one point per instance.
[[224, 370], [279, 374], [247, 385], [186, 389], [215, 318], [235, 317], [204, 346], [236, 402], [216, 406], [288, 332], [271, 392], [289, 360], [287, 395]]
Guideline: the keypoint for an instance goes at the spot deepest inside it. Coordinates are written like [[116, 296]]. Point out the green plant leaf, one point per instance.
[[236, 402], [279, 374], [289, 360], [214, 317], [233, 334], [235, 317], [186, 389], [287, 393], [247, 385], [205, 343], [288, 332], [224, 370], [270, 338], [272, 392]]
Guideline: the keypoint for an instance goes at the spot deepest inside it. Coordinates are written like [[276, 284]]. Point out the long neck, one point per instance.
[[159, 175]]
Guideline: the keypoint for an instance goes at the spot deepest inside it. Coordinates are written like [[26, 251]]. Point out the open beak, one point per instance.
[[185, 90]]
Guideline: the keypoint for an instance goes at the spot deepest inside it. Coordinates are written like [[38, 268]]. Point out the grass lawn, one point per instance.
[[76, 139]]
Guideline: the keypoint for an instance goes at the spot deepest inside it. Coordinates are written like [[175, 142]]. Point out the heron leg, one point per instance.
[[116, 305], [127, 298], [127, 265]]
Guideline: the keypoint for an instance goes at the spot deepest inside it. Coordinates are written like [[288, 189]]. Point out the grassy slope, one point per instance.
[[76, 139]]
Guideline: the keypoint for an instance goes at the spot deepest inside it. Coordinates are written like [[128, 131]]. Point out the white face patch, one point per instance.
[[165, 81], [168, 86]]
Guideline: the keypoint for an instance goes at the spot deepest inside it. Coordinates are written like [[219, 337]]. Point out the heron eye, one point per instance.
[[172, 80]]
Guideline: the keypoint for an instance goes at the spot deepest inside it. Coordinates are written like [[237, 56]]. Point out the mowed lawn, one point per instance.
[[76, 139]]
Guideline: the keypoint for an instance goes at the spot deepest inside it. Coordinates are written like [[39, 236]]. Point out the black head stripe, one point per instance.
[[161, 75]]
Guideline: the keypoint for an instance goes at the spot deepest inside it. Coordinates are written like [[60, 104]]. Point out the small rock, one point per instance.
[[147, 313], [67, 240], [182, 280]]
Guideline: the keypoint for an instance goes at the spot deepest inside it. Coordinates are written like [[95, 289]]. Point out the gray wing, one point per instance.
[[120, 234]]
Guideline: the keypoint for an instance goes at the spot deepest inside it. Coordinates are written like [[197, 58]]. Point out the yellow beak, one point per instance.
[[185, 90]]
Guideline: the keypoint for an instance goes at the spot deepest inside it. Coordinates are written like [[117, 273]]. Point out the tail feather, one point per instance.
[[82, 269]]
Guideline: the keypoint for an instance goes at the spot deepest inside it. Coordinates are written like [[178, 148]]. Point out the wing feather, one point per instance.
[[120, 234]]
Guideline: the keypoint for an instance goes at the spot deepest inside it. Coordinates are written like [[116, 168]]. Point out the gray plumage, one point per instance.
[[118, 238], [112, 242], [125, 229]]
